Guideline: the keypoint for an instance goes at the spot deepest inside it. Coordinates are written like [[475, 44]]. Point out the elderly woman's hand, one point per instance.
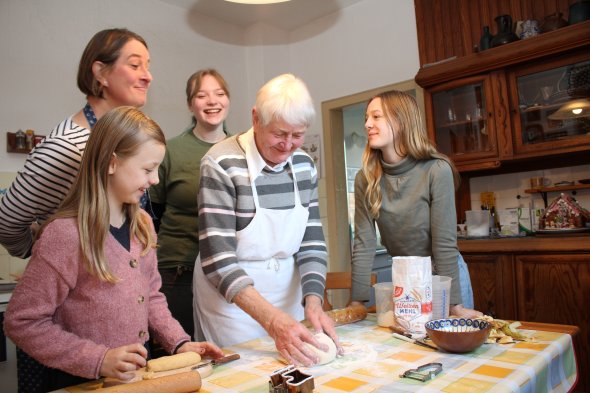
[[319, 321], [289, 336]]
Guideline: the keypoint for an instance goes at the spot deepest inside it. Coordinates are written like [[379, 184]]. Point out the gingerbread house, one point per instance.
[[564, 213]]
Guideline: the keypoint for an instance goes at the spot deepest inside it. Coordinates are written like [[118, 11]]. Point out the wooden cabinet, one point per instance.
[[492, 279], [447, 28], [499, 106], [482, 121], [553, 288], [461, 120], [550, 106], [488, 112], [540, 279]]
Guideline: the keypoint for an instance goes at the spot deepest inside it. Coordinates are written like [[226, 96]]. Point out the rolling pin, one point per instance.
[[185, 382]]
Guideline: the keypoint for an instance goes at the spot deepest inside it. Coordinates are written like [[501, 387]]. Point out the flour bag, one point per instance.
[[412, 293]]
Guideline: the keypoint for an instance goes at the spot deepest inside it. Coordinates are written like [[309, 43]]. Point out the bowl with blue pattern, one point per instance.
[[458, 335]]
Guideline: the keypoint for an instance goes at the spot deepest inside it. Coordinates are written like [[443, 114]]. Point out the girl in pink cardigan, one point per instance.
[[89, 299]]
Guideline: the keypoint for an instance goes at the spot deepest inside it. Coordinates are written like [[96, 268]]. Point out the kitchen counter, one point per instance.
[[530, 244]]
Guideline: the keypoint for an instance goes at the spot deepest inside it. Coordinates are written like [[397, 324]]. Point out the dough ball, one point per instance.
[[324, 357]]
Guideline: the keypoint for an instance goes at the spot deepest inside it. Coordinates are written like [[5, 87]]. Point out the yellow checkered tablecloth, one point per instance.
[[374, 360]]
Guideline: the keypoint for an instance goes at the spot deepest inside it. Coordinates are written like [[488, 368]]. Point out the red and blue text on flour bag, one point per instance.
[[412, 292]]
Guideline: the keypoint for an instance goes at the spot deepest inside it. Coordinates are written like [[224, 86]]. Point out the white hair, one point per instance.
[[285, 97]]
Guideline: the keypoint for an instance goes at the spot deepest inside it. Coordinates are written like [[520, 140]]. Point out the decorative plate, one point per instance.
[[457, 324]]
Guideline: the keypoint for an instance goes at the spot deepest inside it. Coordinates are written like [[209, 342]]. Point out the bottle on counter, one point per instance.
[[495, 228]]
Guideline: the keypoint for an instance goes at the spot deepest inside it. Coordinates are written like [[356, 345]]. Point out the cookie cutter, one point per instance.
[[290, 380], [423, 373]]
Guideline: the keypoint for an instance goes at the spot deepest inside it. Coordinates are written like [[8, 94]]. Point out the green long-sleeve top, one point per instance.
[[178, 237], [417, 217]]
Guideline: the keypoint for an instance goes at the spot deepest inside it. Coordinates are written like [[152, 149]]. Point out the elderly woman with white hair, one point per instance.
[[262, 262]]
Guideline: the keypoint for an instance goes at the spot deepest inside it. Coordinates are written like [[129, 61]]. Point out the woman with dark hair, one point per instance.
[[113, 71]]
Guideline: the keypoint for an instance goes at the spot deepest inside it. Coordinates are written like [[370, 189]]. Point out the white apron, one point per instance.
[[265, 250]]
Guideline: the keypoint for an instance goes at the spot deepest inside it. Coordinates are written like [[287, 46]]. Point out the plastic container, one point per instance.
[[478, 223], [384, 303], [441, 296]]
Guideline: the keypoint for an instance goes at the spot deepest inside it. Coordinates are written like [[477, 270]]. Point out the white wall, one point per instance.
[[370, 44], [366, 45], [41, 43]]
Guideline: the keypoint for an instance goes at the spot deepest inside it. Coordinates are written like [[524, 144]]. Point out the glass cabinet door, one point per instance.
[[553, 106], [462, 126]]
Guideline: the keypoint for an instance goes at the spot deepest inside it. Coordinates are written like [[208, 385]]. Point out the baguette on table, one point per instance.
[[350, 314], [343, 316]]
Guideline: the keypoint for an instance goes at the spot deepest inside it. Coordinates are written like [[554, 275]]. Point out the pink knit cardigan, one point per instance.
[[67, 319]]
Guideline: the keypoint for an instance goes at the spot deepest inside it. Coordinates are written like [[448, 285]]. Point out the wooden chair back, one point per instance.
[[341, 280]]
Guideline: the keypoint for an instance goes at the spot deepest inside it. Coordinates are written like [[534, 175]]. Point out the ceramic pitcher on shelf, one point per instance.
[[553, 22], [505, 31], [530, 28]]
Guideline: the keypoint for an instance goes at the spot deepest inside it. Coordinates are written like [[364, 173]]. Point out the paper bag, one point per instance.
[[412, 292]]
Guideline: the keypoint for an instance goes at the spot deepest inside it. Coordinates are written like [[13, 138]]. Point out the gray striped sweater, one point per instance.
[[40, 187], [226, 205]]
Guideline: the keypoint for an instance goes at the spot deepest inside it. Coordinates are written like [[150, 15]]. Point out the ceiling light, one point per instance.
[[572, 110], [257, 1]]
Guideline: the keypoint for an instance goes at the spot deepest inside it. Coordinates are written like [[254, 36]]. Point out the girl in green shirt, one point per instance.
[[174, 199]]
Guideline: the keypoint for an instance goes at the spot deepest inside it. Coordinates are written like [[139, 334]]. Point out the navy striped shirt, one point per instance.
[[41, 186]]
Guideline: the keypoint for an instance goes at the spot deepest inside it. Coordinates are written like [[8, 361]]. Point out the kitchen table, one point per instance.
[[374, 361]]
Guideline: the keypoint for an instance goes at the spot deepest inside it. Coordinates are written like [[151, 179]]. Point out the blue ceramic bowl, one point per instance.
[[458, 335]]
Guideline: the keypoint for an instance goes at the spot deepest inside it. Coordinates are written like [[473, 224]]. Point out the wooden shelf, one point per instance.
[[557, 188], [11, 143], [544, 190], [545, 107], [456, 123]]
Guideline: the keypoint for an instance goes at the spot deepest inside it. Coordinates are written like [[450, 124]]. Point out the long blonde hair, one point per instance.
[[120, 132], [403, 116]]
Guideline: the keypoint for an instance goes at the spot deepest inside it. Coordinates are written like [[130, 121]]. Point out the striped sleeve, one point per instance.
[[217, 202], [312, 255], [40, 187], [226, 206]]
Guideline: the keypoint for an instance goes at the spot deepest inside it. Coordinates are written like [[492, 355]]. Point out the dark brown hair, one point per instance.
[[105, 47]]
